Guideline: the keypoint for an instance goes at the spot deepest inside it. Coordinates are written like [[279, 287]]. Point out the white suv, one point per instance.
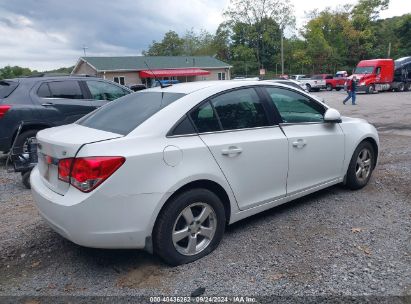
[[166, 169]]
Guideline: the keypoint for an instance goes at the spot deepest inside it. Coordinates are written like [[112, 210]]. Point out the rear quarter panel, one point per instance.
[[146, 169]]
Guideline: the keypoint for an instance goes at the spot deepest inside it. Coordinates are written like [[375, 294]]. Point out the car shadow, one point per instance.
[[285, 208], [123, 259]]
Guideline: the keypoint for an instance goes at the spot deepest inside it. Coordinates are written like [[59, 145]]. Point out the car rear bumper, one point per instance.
[[96, 219]]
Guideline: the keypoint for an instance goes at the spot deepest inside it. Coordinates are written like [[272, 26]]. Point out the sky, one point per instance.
[[48, 34]]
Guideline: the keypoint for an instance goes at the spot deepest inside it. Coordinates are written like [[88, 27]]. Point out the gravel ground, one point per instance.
[[332, 243]]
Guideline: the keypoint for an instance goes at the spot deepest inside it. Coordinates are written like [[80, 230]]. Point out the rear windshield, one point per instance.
[[7, 87], [126, 113]]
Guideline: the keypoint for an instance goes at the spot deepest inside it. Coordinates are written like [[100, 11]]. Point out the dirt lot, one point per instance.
[[335, 242]]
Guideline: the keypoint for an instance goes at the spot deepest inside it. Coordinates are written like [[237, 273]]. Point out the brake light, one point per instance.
[[64, 169], [86, 173], [4, 109]]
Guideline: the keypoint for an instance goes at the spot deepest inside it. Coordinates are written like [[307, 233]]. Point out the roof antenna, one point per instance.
[[156, 79]]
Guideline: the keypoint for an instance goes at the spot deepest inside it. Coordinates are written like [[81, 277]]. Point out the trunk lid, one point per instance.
[[64, 142]]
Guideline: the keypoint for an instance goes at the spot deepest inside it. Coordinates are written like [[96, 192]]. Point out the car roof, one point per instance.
[[40, 78], [284, 80], [221, 85], [190, 87], [185, 87]]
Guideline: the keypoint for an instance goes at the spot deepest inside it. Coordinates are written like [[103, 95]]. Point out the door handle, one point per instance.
[[47, 104], [300, 143], [231, 151]]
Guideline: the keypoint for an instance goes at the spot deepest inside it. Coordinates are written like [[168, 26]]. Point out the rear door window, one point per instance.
[[126, 113], [44, 91], [68, 89], [205, 118], [184, 127], [240, 109]]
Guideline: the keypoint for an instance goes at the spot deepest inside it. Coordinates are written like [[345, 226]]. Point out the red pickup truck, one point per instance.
[[331, 82]]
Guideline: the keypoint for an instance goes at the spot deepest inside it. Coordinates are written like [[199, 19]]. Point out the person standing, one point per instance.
[[351, 90]]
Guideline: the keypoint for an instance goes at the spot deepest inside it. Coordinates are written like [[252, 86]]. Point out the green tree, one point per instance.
[[256, 17], [15, 71], [221, 42], [191, 44], [297, 57], [329, 37], [364, 13], [198, 44], [171, 45], [404, 33]]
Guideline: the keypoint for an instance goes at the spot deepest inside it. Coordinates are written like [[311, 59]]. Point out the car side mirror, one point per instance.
[[332, 115]]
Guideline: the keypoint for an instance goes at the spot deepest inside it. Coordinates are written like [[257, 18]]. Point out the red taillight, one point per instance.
[[87, 173], [64, 169], [4, 109]]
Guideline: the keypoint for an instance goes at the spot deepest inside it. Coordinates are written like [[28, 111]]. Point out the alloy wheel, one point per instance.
[[194, 229], [363, 166]]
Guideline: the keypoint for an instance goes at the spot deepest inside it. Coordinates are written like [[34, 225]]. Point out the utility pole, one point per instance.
[[389, 50], [282, 51], [84, 50]]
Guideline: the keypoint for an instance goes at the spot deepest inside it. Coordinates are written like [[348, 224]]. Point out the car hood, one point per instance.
[[352, 119]]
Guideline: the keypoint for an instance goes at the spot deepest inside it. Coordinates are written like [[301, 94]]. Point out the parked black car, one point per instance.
[[137, 87], [43, 102]]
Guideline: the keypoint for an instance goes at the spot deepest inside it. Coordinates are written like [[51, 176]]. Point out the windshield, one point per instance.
[[364, 70], [126, 113]]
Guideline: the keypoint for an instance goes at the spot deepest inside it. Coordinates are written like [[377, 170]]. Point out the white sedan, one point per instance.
[[166, 169]]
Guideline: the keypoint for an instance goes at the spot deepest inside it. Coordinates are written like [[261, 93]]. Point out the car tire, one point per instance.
[[25, 178], [361, 166], [329, 87], [22, 141], [401, 87], [407, 86], [308, 87], [198, 235]]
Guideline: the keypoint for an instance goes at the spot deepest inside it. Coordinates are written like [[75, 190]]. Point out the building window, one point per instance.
[[119, 80], [221, 76]]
